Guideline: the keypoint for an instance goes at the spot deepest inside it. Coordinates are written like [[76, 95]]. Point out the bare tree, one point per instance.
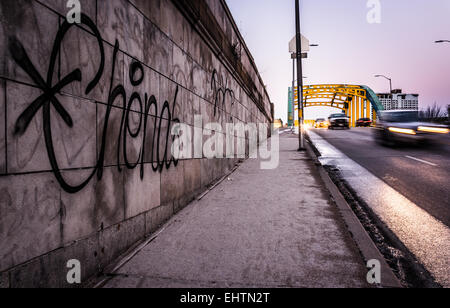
[[432, 113]]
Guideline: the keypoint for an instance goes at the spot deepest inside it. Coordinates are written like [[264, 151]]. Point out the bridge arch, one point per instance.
[[355, 100]]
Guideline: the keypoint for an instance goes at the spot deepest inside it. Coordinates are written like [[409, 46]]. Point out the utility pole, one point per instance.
[[293, 56], [301, 135]]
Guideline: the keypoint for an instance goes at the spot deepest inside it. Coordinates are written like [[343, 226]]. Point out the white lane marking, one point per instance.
[[421, 161]]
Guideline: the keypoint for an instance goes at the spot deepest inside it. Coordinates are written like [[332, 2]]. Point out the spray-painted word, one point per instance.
[[147, 106]]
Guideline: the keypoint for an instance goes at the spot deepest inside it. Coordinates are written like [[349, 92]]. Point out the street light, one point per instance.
[[390, 80], [299, 76], [390, 85]]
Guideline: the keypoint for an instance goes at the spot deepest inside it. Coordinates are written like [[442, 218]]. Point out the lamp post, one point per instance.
[[293, 57], [301, 135], [390, 86]]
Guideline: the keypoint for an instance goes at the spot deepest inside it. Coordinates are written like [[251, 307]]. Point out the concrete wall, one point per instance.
[[80, 175]]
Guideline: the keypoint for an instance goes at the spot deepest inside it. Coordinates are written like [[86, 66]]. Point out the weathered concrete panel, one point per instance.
[[78, 210], [119, 20], [34, 27], [172, 184], [113, 146], [151, 9], [30, 221], [192, 176], [206, 172], [117, 239], [27, 153], [172, 22], [141, 195], [51, 269], [158, 49], [182, 67], [156, 217], [110, 198], [74, 147], [80, 49]]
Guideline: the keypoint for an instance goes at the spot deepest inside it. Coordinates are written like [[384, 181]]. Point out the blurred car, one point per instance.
[[321, 123], [338, 120], [404, 126], [364, 122]]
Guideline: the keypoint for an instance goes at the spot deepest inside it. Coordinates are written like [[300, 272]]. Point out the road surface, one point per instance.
[[405, 187], [421, 174]]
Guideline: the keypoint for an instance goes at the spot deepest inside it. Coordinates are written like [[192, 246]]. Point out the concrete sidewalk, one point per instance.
[[261, 228]]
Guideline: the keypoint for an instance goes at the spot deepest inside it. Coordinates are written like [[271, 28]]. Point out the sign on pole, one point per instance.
[[293, 45]]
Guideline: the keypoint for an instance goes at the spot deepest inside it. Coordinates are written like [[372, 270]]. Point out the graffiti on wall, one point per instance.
[[220, 94], [147, 104]]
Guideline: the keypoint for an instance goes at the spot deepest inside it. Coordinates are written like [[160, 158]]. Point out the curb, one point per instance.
[[362, 239]]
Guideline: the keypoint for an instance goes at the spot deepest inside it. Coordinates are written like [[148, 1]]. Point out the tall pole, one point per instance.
[[293, 92], [391, 94], [299, 77]]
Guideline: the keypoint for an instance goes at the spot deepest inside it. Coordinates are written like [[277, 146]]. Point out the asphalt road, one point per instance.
[[421, 174]]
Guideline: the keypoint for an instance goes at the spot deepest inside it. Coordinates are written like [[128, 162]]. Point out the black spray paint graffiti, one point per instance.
[[48, 99], [220, 94]]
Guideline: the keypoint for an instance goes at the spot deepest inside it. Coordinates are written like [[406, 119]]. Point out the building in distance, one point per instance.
[[399, 101]]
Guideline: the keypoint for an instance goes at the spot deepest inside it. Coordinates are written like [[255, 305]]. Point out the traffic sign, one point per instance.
[[293, 45]]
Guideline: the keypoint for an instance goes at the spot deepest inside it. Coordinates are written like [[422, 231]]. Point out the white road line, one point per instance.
[[421, 160]]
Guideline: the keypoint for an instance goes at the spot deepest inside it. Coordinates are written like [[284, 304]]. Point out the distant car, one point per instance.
[[321, 123], [339, 120], [364, 122], [404, 126]]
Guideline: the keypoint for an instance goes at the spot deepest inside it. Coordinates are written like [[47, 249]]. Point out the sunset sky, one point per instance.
[[351, 50]]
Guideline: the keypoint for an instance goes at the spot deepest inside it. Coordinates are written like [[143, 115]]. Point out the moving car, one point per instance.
[[339, 120], [364, 122], [321, 123], [404, 126]]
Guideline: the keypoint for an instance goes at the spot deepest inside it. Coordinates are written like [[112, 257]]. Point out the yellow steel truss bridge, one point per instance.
[[356, 101]]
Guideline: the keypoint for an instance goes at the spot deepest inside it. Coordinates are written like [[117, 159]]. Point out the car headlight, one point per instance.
[[436, 130], [402, 131]]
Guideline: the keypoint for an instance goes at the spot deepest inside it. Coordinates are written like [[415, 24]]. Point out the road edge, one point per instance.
[[366, 246]]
